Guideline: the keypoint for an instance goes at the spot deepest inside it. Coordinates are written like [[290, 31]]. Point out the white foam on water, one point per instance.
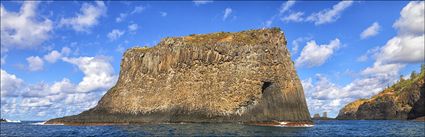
[[44, 123], [13, 121], [38, 123], [285, 124]]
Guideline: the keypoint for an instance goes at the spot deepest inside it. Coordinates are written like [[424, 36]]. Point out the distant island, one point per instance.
[[3, 120], [242, 77], [323, 117], [405, 100]]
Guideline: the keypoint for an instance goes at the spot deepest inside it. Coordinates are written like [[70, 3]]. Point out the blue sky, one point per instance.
[[59, 58]]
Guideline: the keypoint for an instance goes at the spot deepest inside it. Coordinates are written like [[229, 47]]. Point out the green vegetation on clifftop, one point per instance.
[[403, 100]]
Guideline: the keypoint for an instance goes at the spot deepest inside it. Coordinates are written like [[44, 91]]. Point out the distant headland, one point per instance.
[[405, 100]]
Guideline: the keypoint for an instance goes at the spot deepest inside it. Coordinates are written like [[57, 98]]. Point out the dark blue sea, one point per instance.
[[321, 128]]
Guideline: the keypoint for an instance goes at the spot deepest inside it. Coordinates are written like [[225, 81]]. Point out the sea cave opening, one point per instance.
[[265, 86]]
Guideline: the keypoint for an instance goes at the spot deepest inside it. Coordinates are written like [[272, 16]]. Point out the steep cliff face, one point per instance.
[[246, 76], [403, 100]]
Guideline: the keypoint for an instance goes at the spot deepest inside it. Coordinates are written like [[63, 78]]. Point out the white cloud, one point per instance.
[[370, 31], [54, 55], [23, 30], [114, 34], [201, 2], [227, 13], [3, 59], [296, 43], [362, 58], [283, 8], [294, 17], [382, 69], [411, 20], [10, 84], [408, 46], [89, 16], [132, 27], [35, 63], [329, 15], [324, 89], [65, 51], [403, 49], [35, 102], [98, 73], [286, 6], [138, 9], [82, 98], [36, 90], [46, 101], [41, 114], [121, 17], [315, 55], [64, 85], [307, 85], [163, 14], [269, 22]]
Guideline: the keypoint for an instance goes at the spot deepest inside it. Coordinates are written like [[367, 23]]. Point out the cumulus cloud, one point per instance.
[[403, 49], [408, 45], [98, 73], [89, 16], [411, 21], [10, 84], [35, 63], [370, 31], [227, 13], [133, 27], [315, 55], [114, 34], [36, 90], [22, 29], [329, 15], [54, 55], [201, 2], [47, 100]]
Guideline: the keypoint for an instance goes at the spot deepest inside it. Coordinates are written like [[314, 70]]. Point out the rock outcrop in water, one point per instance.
[[403, 100], [246, 76]]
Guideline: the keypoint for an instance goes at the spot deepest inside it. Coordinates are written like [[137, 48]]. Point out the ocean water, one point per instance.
[[321, 128]]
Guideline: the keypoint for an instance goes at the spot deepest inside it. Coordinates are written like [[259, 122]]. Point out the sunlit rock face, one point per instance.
[[404, 100], [245, 76]]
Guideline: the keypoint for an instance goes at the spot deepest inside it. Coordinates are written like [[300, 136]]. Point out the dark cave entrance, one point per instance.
[[265, 86]]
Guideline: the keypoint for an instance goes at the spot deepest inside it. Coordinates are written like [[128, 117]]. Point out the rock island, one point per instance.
[[243, 77]]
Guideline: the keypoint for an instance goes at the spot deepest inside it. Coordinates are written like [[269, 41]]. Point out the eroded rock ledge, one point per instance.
[[246, 76]]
